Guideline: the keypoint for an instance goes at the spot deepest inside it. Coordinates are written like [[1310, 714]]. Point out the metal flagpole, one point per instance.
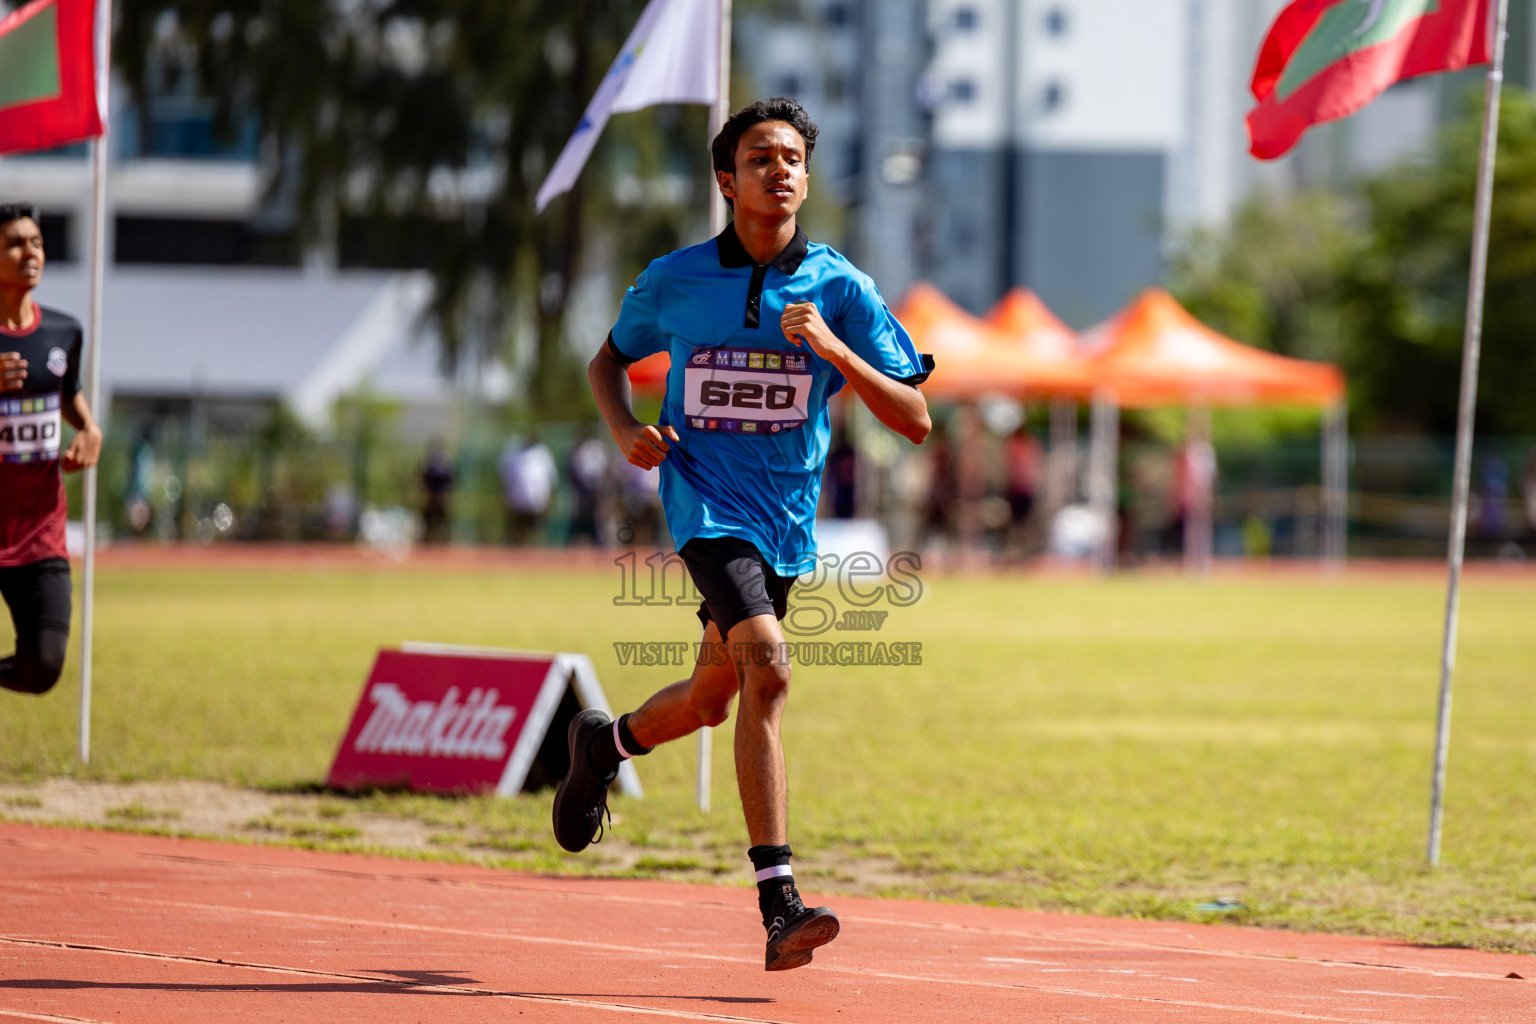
[[717, 116], [93, 368], [1471, 350]]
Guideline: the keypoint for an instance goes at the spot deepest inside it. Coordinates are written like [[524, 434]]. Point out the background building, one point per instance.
[[1059, 144], [215, 312]]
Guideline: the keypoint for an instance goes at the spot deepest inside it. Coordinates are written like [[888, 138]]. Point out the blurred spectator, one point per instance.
[[640, 498], [1194, 478], [1493, 490], [587, 469], [842, 476], [528, 476], [943, 488], [1023, 457], [138, 497], [436, 487], [340, 510], [1530, 494]]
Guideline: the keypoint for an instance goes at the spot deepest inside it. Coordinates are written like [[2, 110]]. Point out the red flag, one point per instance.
[[49, 75], [1325, 59]]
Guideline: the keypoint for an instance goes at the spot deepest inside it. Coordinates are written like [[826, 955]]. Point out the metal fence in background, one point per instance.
[[283, 483]]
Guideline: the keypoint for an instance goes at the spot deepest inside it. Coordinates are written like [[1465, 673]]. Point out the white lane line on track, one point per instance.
[[384, 984], [564, 894], [1090, 994], [676, 1014], [861, 972], [54, 1018], [1168, 947]]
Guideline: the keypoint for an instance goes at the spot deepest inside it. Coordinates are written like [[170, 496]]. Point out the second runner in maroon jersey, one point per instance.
[[39, 393]]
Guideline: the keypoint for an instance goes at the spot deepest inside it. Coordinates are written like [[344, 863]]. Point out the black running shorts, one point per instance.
[[38, 595], [736, 581]]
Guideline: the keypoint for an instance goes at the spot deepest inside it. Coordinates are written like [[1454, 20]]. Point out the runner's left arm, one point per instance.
[[85, 449], [898, 405]]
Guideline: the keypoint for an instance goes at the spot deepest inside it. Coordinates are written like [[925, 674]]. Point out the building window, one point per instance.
[[389, 243], [965, 18], [177, 240], [837, 15], [962, 237], [789, 85], [835, 88], [55, 229], [962, 90], [1056, 22], [1053, 97]]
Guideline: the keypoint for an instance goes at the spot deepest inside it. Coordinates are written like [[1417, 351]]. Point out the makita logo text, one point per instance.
[[476, 728]]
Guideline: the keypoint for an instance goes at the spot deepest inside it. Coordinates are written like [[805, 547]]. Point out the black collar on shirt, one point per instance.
[[733, 254]]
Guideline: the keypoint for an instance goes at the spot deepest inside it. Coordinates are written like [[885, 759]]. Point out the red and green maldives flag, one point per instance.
[[1325, 59], [51, 81]]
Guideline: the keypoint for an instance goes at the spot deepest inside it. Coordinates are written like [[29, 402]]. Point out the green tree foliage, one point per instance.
[[1376, 279], [1272, 277], [431, 121], [1407, 292]]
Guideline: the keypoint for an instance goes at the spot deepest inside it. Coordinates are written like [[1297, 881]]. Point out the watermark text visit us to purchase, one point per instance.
[[853, 593]]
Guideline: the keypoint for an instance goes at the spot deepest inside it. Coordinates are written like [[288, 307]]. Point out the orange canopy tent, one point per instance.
[[973, 357], [1031, 326], [1028, 352], [649, 375], [1155, 353]]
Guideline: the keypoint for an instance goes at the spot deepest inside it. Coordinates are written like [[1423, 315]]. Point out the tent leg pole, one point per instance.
[[1103, 461], [1062, 474], [1334, 485]]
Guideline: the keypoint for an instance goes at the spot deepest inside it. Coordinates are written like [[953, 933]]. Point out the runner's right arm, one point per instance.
[[643, 445], [13, 371]]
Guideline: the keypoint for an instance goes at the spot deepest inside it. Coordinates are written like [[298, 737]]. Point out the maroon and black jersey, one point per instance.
[[32, 508]]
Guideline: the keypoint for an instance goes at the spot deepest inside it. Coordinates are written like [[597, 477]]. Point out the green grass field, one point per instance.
[[1135, 747]]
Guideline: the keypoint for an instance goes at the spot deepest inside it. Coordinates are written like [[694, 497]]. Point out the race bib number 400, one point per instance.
[[29, 429], [746, 391]]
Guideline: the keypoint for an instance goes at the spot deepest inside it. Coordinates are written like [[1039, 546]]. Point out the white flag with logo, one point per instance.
[[671, 56]]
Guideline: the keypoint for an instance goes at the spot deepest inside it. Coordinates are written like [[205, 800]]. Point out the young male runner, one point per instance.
[[39, 385], [763, 328]]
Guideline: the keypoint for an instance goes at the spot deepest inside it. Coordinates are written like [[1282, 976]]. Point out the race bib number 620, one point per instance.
[[746, 391], [29, 429]]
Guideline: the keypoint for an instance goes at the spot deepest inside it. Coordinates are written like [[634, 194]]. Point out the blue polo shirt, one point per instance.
[[750, 407]]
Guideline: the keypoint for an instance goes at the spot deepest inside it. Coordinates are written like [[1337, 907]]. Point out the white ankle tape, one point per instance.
[[777, 871], [626, 755]]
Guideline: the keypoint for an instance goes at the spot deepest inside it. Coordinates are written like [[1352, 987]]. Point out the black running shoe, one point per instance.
[[582, 799], [794, 932]]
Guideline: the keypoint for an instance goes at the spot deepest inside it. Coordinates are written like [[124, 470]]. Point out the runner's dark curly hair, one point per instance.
[[780, 108], [16, 211]]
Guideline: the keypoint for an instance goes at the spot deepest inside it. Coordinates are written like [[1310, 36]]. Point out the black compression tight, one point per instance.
[[37, 663]]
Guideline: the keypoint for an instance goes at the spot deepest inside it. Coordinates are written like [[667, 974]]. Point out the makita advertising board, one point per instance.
[[439, 718]]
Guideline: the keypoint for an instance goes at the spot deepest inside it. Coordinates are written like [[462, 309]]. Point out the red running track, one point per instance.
[[100, 927]]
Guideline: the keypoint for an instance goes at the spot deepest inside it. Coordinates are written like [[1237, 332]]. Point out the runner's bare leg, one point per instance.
[[689, 704], [762, 677], [756, 645]]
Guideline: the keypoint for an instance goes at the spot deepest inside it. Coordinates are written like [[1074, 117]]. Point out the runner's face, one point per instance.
[[771, 175], [21, 254]]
